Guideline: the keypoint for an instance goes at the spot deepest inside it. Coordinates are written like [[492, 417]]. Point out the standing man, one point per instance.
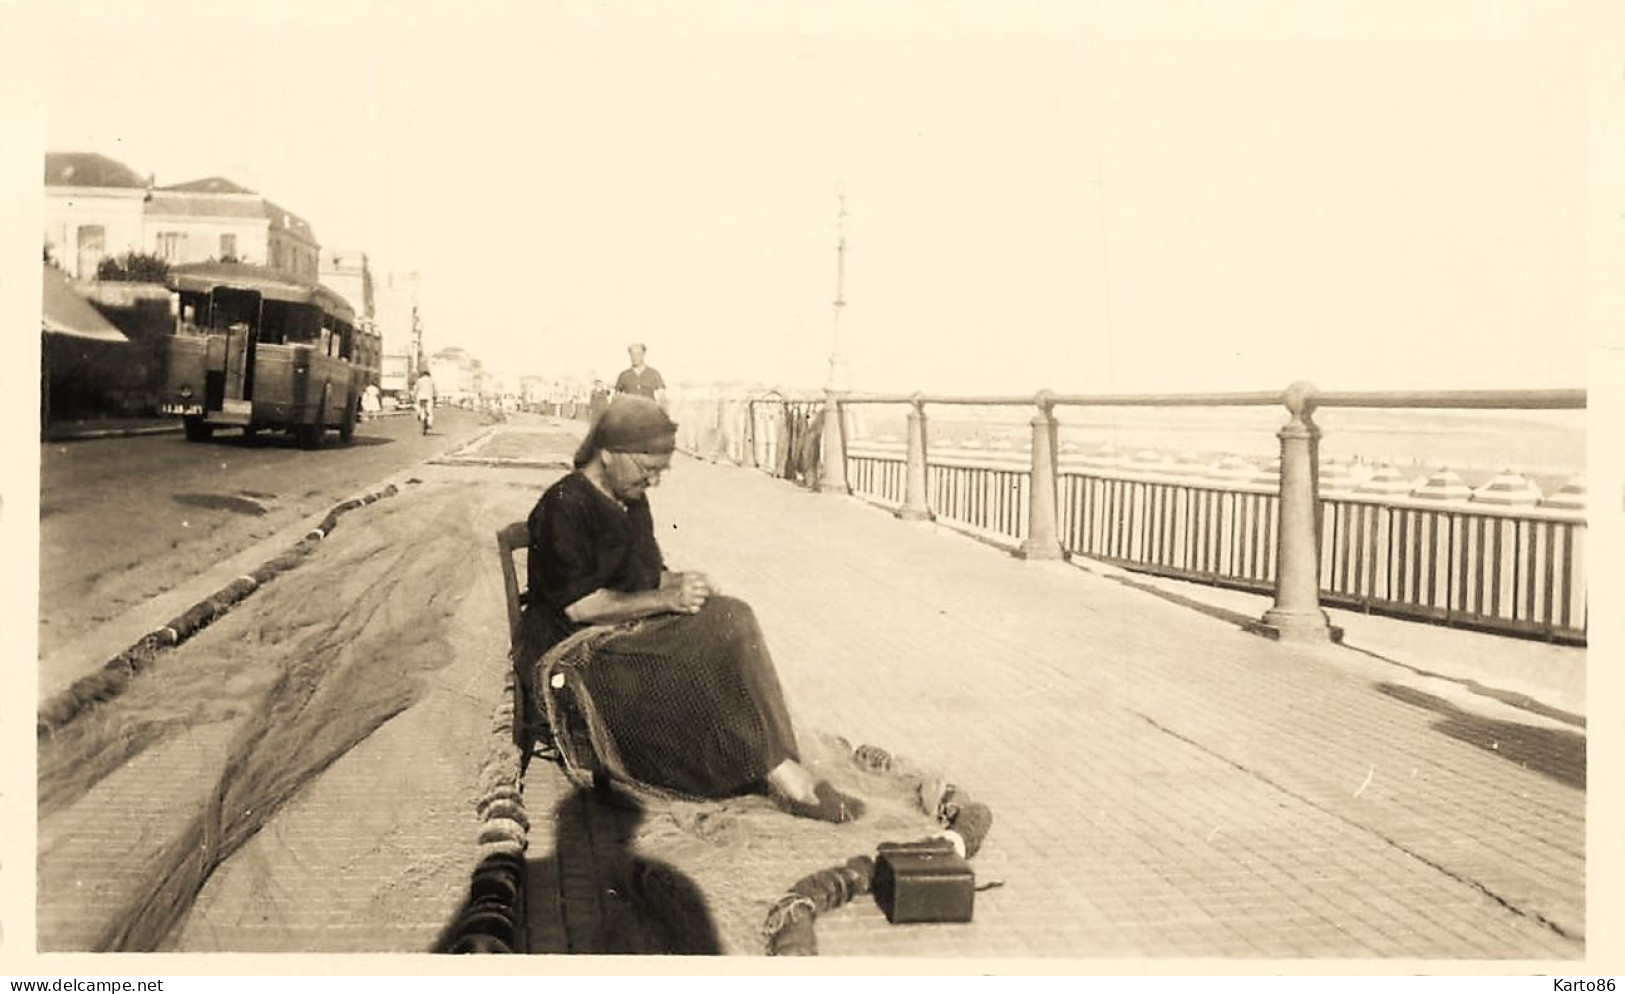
[[640, 379]]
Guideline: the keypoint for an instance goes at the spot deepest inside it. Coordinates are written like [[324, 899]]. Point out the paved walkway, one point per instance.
[[1164, 783]]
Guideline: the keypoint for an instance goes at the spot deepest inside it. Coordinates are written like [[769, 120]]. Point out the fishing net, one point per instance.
[[712, 874], [302, 684]]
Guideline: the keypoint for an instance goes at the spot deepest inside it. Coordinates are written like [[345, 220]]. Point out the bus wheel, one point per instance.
[[198, 431], [351, 413]]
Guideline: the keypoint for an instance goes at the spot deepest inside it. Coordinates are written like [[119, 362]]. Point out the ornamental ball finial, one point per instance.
[[1045, 398], [1300, 398], [917, 398]]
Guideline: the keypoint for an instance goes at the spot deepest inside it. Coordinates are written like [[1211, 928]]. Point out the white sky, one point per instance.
[[1134, 196]]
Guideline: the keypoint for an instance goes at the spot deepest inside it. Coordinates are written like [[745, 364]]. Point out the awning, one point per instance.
[[64, 312]]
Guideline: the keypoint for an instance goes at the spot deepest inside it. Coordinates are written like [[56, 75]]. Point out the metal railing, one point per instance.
[[1191, 531], [1506, 569], [983, 498], [876, 477], [1517, 570], [1512, 569]]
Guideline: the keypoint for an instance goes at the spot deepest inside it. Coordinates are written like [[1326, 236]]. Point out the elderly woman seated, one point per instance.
[[676, 679]]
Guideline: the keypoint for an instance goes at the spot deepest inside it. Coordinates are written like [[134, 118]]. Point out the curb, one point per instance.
[[501, 463], [114, 675], [86, 436], [95, 433]]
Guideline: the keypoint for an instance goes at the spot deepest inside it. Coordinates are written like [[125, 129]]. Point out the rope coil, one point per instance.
[[789, 928]]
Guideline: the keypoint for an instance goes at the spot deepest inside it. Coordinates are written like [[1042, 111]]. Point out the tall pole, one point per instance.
[[832, 478], [837, 362]]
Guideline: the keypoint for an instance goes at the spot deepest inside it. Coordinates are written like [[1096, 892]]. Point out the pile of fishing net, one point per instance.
[[740, 876]]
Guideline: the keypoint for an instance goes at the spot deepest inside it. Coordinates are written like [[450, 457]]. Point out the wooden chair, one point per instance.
[[512, 539]]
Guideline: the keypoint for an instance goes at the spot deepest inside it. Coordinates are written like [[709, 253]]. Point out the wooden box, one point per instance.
[[923, 885]]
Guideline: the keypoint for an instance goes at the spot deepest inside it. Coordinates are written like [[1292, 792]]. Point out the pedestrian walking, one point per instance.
[[641, 379]]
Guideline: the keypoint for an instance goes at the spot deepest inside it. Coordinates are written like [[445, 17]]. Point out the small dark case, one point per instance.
[[923, 885]]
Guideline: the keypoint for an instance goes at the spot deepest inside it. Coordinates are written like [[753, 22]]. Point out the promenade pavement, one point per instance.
[[1164, 783]]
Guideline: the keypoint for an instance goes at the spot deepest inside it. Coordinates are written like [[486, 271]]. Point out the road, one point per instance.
[[300, 775], [125, 519]]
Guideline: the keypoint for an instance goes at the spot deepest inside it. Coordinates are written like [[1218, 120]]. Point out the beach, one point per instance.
[[1548, 447]]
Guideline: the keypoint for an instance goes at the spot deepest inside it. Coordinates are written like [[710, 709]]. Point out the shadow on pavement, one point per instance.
[[1552, 752], [591, 895], [1211, 610], [273, 439]]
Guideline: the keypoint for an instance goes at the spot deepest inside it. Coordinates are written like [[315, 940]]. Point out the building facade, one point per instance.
[[348, 274], [396, 316], [457, 375], [214, 219], [95, 208]]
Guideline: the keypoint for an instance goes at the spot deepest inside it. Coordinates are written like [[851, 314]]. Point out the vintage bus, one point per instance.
[[256, 349]]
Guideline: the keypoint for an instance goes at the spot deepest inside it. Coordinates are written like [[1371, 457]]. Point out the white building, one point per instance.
[[347, 274], [395, 314], [215, 219], [97, 208], [94, 209]]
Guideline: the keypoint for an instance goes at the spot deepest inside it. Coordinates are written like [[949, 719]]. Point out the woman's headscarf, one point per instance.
[[629, 424]]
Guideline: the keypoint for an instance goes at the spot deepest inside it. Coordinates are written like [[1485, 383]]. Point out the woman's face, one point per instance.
[[631, 474]]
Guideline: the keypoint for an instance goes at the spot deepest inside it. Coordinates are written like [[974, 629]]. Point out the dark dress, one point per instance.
[[692, 701]]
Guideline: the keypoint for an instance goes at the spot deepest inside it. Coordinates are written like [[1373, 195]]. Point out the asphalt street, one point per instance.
[[125, 519]]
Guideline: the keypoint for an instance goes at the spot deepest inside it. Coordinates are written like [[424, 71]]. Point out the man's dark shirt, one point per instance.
[[643, 384]]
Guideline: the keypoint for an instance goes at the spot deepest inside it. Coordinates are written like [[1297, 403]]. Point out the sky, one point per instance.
[[1134, 196]]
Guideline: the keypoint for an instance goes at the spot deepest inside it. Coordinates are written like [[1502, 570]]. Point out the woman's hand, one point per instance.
[[686, 592]]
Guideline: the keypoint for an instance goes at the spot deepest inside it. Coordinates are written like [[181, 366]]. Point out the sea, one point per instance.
[[1547, 447]]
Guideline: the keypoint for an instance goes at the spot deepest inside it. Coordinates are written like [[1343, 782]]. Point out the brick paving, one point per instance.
[[1164, 784]]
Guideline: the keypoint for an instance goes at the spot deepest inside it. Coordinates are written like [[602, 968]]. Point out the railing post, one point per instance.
[[1042, 541], [1297, 614], [915, 506], [832, 475]]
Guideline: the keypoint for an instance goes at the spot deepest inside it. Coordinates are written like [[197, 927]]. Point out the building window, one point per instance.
[[228, 248], [92, 245], [171, 244]]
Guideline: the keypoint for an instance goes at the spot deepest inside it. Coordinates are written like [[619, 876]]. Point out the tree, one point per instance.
[[133, 267]]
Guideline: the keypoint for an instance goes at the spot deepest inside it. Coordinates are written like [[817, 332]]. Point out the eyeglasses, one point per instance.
[[650, 473]]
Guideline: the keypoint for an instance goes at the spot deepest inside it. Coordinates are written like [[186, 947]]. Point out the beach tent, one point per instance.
[[65, 312], [1443, 485], [1571, 497]]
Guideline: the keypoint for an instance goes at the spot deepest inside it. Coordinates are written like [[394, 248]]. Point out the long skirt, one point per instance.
[[685, 704]]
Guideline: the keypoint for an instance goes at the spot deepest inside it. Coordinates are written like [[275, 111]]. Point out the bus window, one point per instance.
[[292, 324], [228, 307]]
